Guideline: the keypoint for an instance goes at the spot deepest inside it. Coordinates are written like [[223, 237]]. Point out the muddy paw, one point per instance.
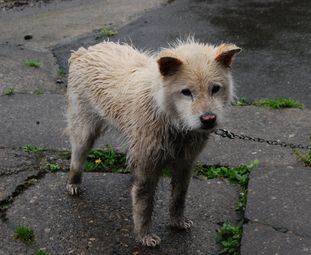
[[181, 223], [73, 189], [150, 240]]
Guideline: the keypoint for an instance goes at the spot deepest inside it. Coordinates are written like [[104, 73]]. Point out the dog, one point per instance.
[[164, 104]]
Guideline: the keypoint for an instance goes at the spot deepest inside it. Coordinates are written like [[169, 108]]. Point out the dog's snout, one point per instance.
[[208, 119]]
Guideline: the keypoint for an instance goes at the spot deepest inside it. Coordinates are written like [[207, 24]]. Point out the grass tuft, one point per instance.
[[8, 91], [229, 236], [105, 31], [25, 234], [279, 103], [304, 157], [33, 62]]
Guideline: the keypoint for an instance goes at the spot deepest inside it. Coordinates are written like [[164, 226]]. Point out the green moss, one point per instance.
[[279, 103], [52, 167]]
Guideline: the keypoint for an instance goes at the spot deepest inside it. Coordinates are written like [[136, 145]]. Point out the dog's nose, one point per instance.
[[208, 119]]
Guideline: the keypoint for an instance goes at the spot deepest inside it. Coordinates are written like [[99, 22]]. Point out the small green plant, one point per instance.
[[25, 234], [105, 32], [237, 175], [33, 149], [9, 91], [107, 159], [229, 236], [304, 157], [39, 91], [52, 167], [240, 102], [61, 73], [40, 252], [33, 62], [279, 103]]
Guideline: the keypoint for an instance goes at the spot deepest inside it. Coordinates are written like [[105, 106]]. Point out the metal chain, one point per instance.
[[231, 135]]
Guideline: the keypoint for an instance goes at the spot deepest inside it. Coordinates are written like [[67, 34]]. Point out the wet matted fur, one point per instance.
[[165, 105]]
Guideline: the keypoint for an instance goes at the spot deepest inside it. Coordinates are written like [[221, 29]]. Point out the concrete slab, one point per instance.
[[99, 221], [62, 20], [261, 239], [24, 79], [32, 119], [280, 197]]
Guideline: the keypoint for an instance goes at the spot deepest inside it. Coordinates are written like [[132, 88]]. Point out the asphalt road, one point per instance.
[[275, 36]]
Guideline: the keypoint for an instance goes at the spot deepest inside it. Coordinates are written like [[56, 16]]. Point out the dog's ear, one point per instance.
[[225, 53], [169, 65]]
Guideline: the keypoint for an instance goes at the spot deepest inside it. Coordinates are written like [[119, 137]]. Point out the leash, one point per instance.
[[228, 134]]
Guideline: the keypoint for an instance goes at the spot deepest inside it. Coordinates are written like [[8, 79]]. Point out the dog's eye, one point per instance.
[[186, 92], [215, 89]]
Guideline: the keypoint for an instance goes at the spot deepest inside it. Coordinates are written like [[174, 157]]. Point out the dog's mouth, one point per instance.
[[210, 126]]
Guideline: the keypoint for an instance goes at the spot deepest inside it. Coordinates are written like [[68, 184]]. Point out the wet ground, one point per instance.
[[275, 37], [275, 62]]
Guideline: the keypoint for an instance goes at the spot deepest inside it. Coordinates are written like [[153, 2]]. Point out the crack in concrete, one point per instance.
[[279, 229], [6, 203]]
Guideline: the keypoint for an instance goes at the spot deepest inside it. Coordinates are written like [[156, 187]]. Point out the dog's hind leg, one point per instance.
[[84, 128]]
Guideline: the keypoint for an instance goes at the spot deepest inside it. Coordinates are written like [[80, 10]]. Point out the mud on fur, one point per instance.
[[165, 105]]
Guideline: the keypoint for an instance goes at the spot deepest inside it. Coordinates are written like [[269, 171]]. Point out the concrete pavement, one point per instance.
[[99, 222]]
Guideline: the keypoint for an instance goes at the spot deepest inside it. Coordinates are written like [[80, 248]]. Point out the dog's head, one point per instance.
[[196, 83]]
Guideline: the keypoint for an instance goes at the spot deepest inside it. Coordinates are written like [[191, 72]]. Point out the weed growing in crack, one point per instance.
[[39, 91], [33, 149], [108, 159], [229, 236], [25, 234], [33, 62], [40, 252], [236, 175], [52, 167], [8, 91], [279, 103], [241, 102]]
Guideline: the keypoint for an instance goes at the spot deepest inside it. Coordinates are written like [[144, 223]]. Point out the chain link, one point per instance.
[[231, 135]]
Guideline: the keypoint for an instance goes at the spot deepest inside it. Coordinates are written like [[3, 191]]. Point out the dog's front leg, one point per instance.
[[145, 183], [181, 175]]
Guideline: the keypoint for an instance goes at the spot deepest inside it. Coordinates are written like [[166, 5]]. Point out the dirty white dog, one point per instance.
[[165, 105]]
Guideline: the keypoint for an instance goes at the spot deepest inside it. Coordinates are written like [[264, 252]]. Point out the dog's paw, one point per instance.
[[73, 189], [150, 240], [181, 223]]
